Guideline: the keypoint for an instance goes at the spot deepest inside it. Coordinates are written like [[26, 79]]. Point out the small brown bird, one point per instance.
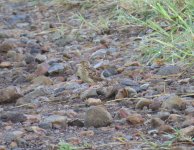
[[86, 73]]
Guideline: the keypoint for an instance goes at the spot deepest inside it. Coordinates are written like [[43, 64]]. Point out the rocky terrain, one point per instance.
[[60, 81]]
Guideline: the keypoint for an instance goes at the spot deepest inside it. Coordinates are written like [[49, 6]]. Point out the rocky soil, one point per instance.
[[61, 81]]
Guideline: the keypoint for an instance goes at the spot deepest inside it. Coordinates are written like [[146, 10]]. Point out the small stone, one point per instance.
[[76, 122], [57, 121], [97, 116], [42, 80], [155, 105], [163, 115], [135, 119], [102, 64], [129, 137], [10, 94], [3, 35], [56, 68], [40, 58], [188, 122], [13, 145], [13, 135], [107, 92], [174, 118], [45, 125], [29, 59], [73, 141], [123, 113], [13, 117], [125, 92], [88, 133], [153, 132], [34, 96], [174, 102], [42, 69], [188, 131], [101, 53], [181, 148], [163, 129], [128, 82], [5, 64], [168, 70], [109, 72], [93, 101], [143, 103], [33, 118], [92, 92], [6, 46], [3, 147], [190, 111], [144, 87], [156, 122]]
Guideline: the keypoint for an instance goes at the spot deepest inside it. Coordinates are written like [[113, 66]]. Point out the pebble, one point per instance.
[[163, 129], [156, 122], [13, 135], [56, 121], [32, 96], [13, 117], [91, 92], [168, 70], [6, 46], [76, 122], [42, 80], [128, 82], [109, 72], [126, 92], [174, 102], [188, 131], [93, 101], [42, 69], [97, 116], [10, 94], [2, 147], [5, 64], [143, 103], [87, 133], [40, 58], [56, 68], [135, 119]]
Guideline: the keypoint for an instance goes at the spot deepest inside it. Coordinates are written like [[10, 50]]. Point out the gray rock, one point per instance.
[[89, 93], [76, 122], [156, 122], [56, 121], [102, 64], [128, 82], [10, 94], [40, 58], [163, 115], [174, 102], [56, 68], [29, 59], [143, 103], [13, 117], [13, 135], [144, 87], [188, 131], [103, 52], [109, 72], [29, 97], [97, 116], [45, 125], [168, 70], [190, 111]]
